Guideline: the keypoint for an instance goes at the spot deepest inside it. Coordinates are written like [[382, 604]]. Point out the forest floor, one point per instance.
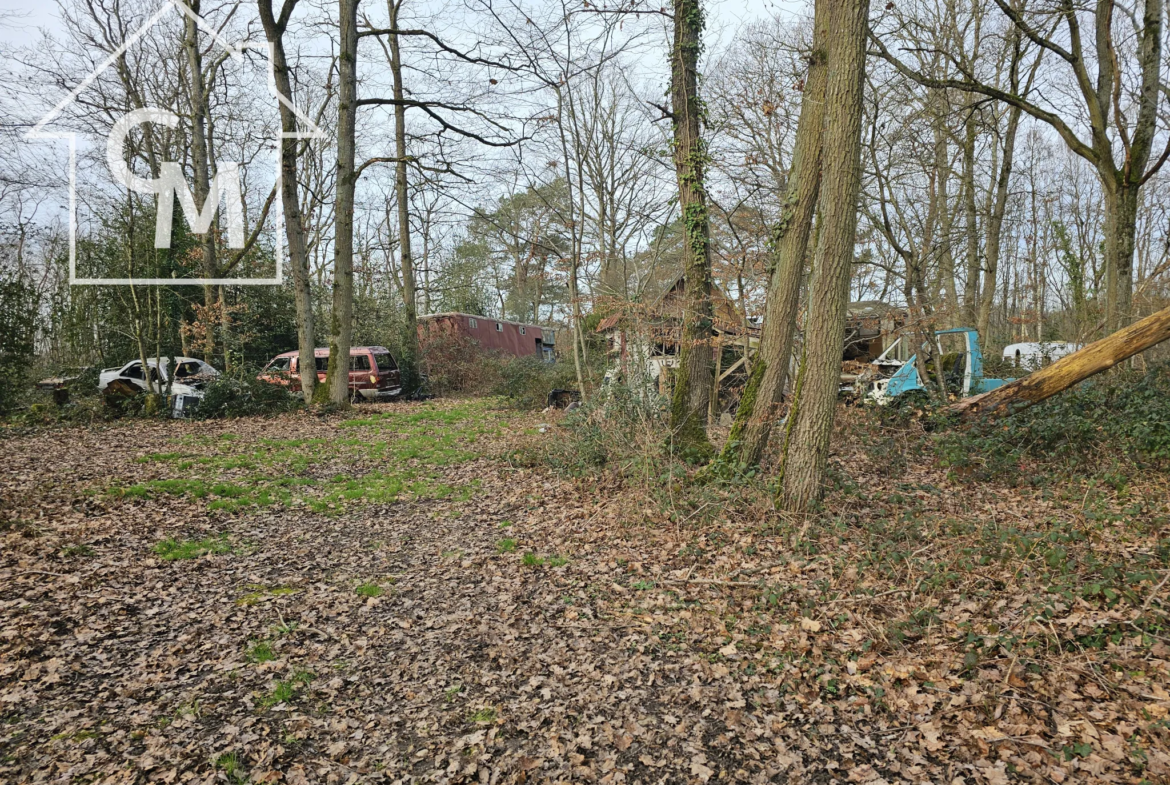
[[394, 595]]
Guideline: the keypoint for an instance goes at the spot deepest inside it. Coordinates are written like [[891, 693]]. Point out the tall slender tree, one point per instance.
[[804, 463], [765, 387], [274, 30], [341, 327], [695, 376]]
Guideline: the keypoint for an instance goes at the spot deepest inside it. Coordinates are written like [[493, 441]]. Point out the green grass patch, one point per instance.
[[259, 652], [369, 590], [171, 549], [506, 545]]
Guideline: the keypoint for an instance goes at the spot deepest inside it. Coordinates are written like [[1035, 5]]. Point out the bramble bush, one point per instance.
[[1122, 418], [244, 396]]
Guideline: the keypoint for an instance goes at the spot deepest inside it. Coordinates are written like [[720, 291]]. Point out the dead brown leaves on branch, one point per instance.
[[538, 628]]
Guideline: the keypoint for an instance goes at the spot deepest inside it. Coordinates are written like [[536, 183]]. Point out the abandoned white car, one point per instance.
[[186, 390]]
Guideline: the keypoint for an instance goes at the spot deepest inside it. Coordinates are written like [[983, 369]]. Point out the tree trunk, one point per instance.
[[692, 386], [408, 362], [971, 287], [1076, 367], [765, 387], [341, 334], [995, 225], [804, 464], [199, 159], [1120, 229], [294, 230]]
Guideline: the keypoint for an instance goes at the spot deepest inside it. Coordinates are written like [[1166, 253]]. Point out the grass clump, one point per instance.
[[369, 590], [259, 652], [531, 560], [506, 545], [484, 715], [171, 549]]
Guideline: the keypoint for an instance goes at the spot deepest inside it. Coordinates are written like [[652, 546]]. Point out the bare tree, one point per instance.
[[816, 395]]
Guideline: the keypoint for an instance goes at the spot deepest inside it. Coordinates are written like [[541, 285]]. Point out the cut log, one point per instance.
[[1073, 368]]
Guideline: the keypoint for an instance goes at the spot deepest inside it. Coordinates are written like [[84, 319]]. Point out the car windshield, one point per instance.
[[280, 364]]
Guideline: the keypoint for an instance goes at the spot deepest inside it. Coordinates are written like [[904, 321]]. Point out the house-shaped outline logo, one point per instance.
[[236, 52]]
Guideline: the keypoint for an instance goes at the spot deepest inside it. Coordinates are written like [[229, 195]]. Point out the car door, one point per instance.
[[132, 371]]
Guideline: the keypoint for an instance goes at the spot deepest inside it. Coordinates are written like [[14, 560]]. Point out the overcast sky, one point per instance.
[[725, 16]]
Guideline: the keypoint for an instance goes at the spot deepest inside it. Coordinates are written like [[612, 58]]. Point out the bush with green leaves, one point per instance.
[[244, 396], [18, 323], [618, 424], [1111, 419], [527, 381]]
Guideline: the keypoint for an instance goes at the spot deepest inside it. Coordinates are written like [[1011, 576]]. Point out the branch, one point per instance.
[[971, 86], [440, 43]]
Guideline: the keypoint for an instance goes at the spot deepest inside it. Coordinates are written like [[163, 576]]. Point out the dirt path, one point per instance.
[[487, 624]]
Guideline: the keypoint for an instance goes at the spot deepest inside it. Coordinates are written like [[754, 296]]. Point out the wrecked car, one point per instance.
[[185, 390], [955, 351], [373, 372]]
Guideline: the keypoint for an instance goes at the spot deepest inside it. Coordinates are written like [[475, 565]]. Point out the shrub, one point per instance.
[[241, 396], [18, 312], [527, 381], [617, 424], [1119, 417], [454, 362]]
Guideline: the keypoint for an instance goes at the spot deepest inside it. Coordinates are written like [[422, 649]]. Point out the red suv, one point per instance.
[[373, 373]]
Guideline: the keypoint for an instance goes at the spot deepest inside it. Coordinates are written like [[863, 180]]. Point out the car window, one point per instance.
[[190, 368], [385, 361], [322, 364], [132, 371], [280, 364], [359, 362]]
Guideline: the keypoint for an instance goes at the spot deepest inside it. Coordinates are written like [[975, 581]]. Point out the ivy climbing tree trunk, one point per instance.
[[341, 327], [803, 466], [692, 388], [765, 387]]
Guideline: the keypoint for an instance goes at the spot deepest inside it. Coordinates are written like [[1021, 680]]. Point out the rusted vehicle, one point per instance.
[[373, 372]]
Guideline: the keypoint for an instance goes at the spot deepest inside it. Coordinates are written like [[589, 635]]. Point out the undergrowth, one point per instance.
[[1110, 428]]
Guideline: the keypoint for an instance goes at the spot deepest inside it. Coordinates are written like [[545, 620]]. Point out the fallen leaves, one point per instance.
[[716, 652]]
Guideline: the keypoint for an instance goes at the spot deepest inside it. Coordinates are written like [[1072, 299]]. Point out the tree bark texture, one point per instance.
[[274, 29], [804, 464], [758, 407], [341, 332], [693, 382]]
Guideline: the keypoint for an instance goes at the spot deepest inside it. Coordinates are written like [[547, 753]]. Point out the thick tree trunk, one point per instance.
[[1120, 231], [408, 362], [995, 224], [1067, 371], [804, 463], [274, 29], [692, 386], [758, 407], [341, 333]]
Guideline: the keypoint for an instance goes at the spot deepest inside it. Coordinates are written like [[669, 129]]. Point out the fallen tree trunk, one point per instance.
[[1067, 371]]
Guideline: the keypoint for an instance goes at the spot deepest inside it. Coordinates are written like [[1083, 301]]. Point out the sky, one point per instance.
[[725, 16]]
